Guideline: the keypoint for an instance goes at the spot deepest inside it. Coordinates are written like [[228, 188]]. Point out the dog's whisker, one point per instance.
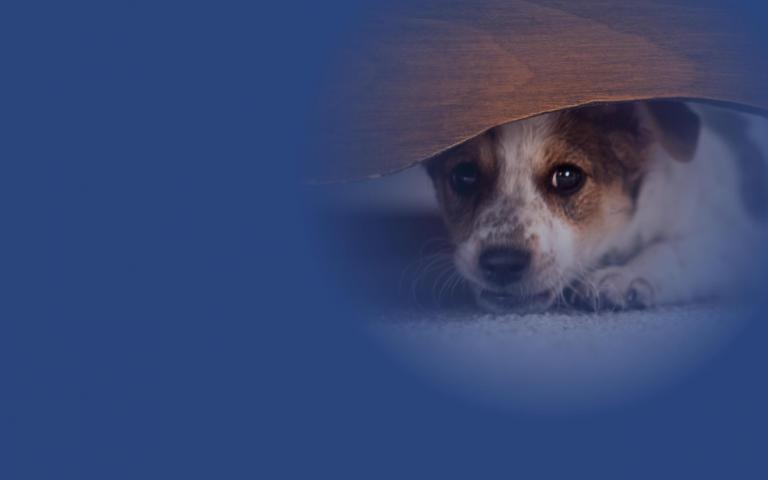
[[516, 241], [450, 283], [459, 281], [423, 269], [440, 281]]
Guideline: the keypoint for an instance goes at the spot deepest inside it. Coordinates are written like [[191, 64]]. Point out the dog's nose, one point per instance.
[[502, 265]]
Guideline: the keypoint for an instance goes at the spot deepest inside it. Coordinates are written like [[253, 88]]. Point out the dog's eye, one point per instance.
[[567, 179], [465, 178]]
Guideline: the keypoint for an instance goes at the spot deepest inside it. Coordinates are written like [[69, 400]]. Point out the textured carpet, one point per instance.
[[390, 250], [557, 360]]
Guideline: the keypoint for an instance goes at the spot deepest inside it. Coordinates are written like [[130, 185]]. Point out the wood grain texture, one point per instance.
[[431, 75]]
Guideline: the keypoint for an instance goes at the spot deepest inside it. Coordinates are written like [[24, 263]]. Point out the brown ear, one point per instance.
[[609, 118], [615, 125], [676, 126]]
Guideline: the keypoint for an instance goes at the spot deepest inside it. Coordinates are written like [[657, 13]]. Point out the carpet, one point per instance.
[[387, 247]]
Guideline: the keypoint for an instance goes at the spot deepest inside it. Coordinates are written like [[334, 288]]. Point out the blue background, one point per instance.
[[166, 309]]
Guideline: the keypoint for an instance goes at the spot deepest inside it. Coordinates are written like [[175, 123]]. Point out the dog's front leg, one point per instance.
[[664, 272]]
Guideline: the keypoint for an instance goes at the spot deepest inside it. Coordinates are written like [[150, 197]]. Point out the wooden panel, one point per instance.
[[428, 76]]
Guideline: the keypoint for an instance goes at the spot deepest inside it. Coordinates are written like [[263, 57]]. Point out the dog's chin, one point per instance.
[[502, 302]]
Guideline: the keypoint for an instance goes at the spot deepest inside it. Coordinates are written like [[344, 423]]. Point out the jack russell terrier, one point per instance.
[[612, 206]]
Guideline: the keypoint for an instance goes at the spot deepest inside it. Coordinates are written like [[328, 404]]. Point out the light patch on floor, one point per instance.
[[391, 253], [557, 361]]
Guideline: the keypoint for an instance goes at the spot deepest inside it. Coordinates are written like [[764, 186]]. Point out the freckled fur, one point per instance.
[[635, 186]]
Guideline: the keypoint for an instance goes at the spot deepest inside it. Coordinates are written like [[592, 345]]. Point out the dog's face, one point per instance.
[[533, 204]]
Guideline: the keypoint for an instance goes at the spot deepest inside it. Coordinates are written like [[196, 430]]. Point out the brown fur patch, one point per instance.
[[607, 142], [610, 146], [460, 211]]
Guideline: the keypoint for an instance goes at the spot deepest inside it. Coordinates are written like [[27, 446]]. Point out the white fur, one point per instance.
[[690, 235], [697, 239]]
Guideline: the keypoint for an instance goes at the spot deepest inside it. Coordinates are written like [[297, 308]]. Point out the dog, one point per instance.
[[607, 206]]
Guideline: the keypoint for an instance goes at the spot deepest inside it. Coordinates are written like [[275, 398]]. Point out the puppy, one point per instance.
[[614, 206]]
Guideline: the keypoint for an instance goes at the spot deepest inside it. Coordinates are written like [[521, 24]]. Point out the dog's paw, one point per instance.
[[611, 289]]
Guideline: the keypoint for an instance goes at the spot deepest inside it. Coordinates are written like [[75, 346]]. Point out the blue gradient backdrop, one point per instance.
[[167, 312]]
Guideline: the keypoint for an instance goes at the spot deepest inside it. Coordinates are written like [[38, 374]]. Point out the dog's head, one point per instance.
[[532, 205]]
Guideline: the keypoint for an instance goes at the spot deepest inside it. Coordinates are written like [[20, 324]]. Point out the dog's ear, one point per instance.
[[610, 117], [676, 126], [617, 126]]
